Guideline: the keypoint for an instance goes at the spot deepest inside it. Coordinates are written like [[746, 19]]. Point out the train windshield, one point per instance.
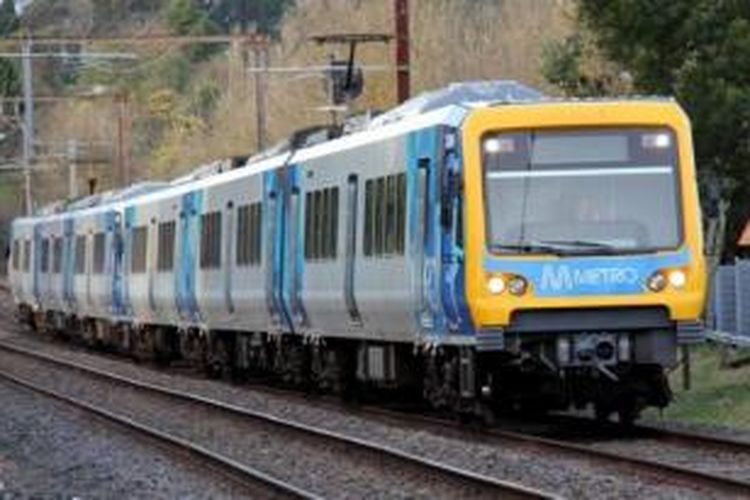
[[581, 191]]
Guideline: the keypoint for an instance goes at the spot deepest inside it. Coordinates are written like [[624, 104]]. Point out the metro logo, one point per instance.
[[564, 278]]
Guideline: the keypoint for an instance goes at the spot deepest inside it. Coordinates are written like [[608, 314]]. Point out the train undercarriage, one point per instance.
[[534, 374]]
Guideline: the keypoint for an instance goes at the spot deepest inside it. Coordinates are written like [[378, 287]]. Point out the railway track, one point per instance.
[[255, 481], [659, 470], [447, 480]]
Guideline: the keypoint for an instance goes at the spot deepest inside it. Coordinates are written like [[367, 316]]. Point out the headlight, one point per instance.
[[517, 285], [496, 285], [656, 282], [677, 279], [495, 145]]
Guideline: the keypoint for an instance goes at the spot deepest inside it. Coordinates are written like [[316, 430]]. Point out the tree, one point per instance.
[[9, 78], [265, 15], [184, 17], [8, 18], [695, 50]]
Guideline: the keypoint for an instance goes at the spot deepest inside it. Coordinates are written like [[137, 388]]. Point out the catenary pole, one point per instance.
[[28, 128], [403, 77]]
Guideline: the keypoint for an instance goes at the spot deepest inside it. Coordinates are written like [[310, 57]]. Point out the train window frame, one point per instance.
[[138, 249], [211, 240], [80, 254], [100, 246], [166, 233]]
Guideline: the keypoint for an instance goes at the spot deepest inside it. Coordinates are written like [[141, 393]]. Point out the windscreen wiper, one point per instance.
[[529, 247], [586, 245]]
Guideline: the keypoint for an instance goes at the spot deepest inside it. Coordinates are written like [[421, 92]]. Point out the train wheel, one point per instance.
[[218, 359]]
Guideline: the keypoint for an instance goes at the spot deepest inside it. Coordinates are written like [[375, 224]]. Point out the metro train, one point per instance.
[[484, 247]]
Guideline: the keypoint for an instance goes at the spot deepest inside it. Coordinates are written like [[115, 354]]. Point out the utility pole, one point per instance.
[[28, 122], [261, 66], [403, 76], [72, 154]]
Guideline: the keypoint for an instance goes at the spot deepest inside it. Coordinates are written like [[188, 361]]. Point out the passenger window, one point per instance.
[[57, 249], [385, 216], [367, 233], [400, 213], [321, 223], [99, 252], [139, 246], [165, 256], [44, 265], [249, 235], [16, 254], [211, 240], [333, 225], [80, 254]]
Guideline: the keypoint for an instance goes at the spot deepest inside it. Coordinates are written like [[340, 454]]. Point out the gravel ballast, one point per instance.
[[50, 450], [564, 475]]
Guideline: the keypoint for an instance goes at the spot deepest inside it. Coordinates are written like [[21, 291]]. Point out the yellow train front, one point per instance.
[[584, 262]]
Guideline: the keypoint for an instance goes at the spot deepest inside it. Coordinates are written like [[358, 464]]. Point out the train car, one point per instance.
[[483, 246]]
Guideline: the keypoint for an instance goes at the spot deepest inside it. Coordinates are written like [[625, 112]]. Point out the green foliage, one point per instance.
[[719, 395], [562, 65], [265, 15], [10, 84], [184, 17], [8, 18], [696, 50]]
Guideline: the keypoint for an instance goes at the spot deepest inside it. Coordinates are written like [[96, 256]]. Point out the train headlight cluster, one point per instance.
[[496, 284], [660, 279], [677, 278], [517, 285], [656, 282]]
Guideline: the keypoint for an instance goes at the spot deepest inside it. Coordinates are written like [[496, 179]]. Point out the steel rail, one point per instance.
[[656, 431], [235, 471], [490, 486], [661, 470]]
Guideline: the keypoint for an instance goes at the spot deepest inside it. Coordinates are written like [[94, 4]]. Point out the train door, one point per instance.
[[350, 248], [68, 263], [427, 244], [154, 243], [451, 234], [35, 261], [228, 258], [187, 304], [294, 256], [117, 248], [273, 251]]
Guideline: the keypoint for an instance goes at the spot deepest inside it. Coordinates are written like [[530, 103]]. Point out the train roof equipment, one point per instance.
[[461, 94]]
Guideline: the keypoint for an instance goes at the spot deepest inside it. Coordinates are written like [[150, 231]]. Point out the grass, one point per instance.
[[720, 395]]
